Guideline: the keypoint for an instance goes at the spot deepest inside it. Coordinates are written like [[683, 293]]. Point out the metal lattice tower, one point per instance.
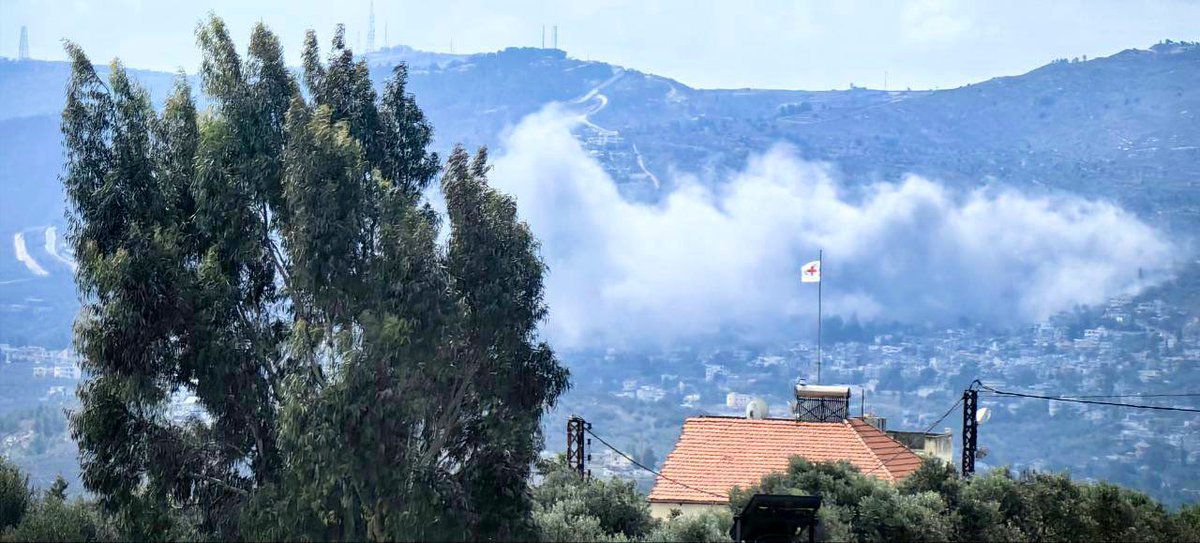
[[23, 49], [371, 28], [970, 434], [577, 456]]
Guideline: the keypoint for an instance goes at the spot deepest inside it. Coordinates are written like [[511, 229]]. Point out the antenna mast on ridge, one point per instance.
[[23, 48], [371, 28]]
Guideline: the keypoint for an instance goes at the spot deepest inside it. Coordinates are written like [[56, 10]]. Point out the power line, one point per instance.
[[900, 451], [1091, 402], [639, 464], [1181, 395]]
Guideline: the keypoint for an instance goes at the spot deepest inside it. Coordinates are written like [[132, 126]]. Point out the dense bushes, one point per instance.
[[14, 495], [935, 504], [30, 515], [569, 508]]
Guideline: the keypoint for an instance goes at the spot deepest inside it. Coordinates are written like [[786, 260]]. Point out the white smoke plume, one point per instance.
[[723, 259]]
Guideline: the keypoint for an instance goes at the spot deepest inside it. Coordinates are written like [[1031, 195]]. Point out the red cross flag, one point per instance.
[[811, 272]]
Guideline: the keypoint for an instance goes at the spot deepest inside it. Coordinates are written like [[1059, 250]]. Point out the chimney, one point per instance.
[[876, 421]]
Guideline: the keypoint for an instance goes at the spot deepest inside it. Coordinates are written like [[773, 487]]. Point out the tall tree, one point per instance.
[[274, 258]]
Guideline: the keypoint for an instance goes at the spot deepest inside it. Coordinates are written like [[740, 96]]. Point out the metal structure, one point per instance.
[[23, 48], [970, 433], [821, 265], [776, 517], [818, 403], [577, 456], [371, 28]]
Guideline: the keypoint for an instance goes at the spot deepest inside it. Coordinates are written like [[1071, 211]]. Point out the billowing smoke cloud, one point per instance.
[[705, 259]]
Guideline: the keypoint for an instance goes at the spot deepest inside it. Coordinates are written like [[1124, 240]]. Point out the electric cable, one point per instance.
[[903, 448], [639, 464], [1090, 402]]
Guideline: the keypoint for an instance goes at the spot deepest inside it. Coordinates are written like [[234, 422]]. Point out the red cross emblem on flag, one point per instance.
[[811, 272]]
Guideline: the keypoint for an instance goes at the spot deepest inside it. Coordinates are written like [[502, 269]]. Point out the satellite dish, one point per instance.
[[756, 409], [982, 415], [981, 453]]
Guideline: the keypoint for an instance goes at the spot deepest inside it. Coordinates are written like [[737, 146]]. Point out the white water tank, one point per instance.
[[757, 409]]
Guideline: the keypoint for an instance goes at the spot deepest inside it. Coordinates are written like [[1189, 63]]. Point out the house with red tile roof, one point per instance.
[[714, 454]]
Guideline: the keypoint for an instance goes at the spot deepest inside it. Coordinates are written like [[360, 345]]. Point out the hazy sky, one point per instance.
[[778, 44]]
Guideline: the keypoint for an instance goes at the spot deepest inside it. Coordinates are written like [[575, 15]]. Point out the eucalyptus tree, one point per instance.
[[273, 256]]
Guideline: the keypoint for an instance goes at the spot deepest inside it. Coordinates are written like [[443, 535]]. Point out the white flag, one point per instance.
[[811, 272]]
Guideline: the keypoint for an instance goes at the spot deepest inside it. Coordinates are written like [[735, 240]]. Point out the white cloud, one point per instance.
[[727, 258], [933, 22]]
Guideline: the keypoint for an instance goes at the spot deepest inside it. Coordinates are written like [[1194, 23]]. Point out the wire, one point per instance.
[[639, 464], [1183, 395], [1092, 402], [903, 448]]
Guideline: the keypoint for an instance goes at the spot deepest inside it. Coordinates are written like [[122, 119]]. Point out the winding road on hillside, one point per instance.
[[601, 103], [51, 255], [24, 257], [52, 248]]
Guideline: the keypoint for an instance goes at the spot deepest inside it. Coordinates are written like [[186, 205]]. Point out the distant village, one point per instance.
[[909, 379], [905, 379]]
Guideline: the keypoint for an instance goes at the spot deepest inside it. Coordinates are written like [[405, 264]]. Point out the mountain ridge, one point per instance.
[[1120, 128]]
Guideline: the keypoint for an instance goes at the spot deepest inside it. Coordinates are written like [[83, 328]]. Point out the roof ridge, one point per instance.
[[885, 433], [793, 420], [889, 437], [857, 434]]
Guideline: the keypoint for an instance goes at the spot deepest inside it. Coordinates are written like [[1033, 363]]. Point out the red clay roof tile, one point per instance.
[[714, 454]]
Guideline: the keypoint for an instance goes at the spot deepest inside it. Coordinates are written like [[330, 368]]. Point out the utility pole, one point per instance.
[[820, 264], [970, 433], [577, 458]]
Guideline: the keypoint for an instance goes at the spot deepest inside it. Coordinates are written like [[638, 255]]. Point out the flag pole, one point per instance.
[[820, 279]]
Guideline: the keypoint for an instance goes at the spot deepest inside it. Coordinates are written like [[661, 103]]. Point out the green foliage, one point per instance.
[[273, 258], [710, 526], [15, 494], [570, 519], [1188, 523], [53, 519], [568, 508], [27, 515], [931, 504], [58, 490], [935, 504]]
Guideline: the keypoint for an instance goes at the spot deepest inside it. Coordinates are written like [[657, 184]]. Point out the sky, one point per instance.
[[792, 44]]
